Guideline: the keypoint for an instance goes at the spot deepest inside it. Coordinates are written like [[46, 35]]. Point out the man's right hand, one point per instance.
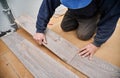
[[40, 38]]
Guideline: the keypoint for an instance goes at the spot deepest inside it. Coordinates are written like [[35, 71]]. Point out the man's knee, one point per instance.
[[68, 27], [64, 28], [84, 36]]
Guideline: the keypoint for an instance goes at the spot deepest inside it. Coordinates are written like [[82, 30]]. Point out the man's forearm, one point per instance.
[[105, 30], [46, 11]]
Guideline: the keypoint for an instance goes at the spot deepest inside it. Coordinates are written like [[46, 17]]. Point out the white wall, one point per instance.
[[19, 7]]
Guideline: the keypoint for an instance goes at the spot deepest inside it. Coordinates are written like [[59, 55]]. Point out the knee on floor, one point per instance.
[[84, 36], [65, 28]]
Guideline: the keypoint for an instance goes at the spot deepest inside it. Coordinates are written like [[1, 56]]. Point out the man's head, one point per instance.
[[76, 4]]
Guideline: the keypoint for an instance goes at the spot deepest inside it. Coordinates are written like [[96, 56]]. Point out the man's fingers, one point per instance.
[[88, 51], [39, 41], [90, 56], [83, 52], [40, 38], [86, 54], [44, 41], [82, 49]]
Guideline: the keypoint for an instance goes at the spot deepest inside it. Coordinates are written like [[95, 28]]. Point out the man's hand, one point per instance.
[[88, 51], [40, 38]]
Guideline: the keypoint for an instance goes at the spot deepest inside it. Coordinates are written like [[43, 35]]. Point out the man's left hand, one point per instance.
[[88, 51]]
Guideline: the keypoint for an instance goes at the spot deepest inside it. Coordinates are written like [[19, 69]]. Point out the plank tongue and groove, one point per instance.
[[95, 68], [37, 62]]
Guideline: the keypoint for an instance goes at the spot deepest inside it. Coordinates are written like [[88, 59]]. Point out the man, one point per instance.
[[86, 16]]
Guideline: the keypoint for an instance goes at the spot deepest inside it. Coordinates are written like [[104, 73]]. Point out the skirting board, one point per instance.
[[36, 61], [95, 68]]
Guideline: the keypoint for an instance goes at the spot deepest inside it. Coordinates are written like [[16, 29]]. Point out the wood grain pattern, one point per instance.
[[95, 68], [6, 65], [11, 65], [37, 62]]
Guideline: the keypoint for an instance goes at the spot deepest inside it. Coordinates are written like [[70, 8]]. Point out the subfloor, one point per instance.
[[11, 67]]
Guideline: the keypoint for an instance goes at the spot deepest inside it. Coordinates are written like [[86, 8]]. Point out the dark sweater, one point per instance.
[[109, 11]]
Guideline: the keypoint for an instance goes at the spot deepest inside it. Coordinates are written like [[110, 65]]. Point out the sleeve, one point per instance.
[[107, 25], [105, 30], [46, 11]]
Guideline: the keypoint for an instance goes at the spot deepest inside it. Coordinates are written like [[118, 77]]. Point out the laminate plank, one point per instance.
[[3, 49], [95, 68], [9, 61], [17, 66], [37, 62]]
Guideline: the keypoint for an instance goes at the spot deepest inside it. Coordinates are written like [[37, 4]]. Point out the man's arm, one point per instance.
[[106, 27], [107, 23], [104, 31], [46, 11]]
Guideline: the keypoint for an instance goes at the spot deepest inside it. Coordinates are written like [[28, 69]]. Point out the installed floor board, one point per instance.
[[89, 68], [7, 66], [10, 66], [14, 69], [95, 68], [17, 66], [40, 64], [3, 50]]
